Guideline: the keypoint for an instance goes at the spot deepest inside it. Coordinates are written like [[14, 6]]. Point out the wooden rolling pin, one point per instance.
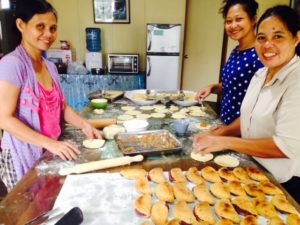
[[101, 123], [101, 164]]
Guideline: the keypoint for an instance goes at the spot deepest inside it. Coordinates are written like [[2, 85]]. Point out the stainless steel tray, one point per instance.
[[148, 142]]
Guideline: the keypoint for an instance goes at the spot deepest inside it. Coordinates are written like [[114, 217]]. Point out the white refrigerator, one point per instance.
[[163, 46]]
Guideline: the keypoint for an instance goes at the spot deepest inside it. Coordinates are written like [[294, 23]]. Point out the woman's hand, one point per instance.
[[208, 142], [204, 92], [91, 132], [63, 149]]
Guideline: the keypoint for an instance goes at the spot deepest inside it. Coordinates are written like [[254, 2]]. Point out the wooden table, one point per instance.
[[38, 190]]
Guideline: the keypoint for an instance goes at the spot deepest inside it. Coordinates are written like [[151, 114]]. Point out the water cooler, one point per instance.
[[93, 58]]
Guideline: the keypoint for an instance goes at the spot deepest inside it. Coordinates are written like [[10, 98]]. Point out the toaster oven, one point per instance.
[[123, 63]]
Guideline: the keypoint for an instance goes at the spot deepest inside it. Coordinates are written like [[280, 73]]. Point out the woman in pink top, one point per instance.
[[32, 104]]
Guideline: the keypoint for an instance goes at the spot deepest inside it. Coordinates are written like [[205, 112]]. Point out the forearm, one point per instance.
[[232, 129], [73, 118], [264, 148], [217, 88], [24, 133]]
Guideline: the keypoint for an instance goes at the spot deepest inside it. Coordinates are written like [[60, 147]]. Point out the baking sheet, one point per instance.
[[134, 143]]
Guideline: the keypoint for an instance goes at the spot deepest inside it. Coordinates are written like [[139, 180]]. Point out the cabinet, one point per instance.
[[76, 87]]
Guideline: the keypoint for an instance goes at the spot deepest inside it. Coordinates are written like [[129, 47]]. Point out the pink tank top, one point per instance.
[[50, 112]]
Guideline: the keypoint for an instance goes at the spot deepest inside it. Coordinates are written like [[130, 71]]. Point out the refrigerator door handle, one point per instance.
[[148, 67], [150, 39]]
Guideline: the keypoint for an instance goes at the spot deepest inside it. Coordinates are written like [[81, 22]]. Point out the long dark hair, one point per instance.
[[250, 7], [287, 16], [26, 9]]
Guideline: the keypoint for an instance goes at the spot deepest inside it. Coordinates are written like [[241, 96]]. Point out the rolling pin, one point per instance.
[[101, 123], [101, 164]]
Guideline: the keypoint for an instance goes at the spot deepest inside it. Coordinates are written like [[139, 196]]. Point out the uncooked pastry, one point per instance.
[[202, 158], [110, 131], [143, 116], [146, 108], [158, 115], [133, 112], [178, 116], [93, 143], [227, 161], [197, 113], [159, 110], [159, 106], [173, 108], [125, 117], [98, 111], [127, 108]]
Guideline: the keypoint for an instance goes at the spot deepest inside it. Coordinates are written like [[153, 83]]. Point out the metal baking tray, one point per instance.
[[148, 142], [110, 95]]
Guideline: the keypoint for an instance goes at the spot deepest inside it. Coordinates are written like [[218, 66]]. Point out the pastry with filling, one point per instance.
[[174, 222], [224, 222], [194, 176], [183, 212], [164, 192], [225, 210], [143, 205], [226, 174], [249, 220], [202, 194], [142, 185], [268, 188], [201, 222], [145, 223], [182, 193], [255, 174], [133, 173], [236, 188], [253, 190], [159, 213], [276, 221], [282, 204], [220, 190], [244, 206], [265, 208], [157, 175], [210, 174], [204, 212], [176, 175], [226, 161], [292, 219], [242, 175]]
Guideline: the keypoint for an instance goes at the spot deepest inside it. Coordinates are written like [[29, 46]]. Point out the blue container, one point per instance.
[[93, 39]]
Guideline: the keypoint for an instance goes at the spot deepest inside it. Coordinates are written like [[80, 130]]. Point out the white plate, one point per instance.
[[130, 94], [187, 103]]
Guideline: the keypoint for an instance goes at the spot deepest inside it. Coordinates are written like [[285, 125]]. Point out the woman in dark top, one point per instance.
[[240, 20]]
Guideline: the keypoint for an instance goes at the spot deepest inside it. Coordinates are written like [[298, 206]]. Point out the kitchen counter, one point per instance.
[[37, 192]]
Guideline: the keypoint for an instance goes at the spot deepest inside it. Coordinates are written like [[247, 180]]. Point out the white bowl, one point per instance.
[[136, 125]]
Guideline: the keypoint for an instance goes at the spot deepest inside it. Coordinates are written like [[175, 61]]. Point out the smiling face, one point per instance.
[[275, 44], [238, 24], [39, 32]]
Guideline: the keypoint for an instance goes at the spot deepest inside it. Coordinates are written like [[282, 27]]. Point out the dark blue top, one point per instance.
[[236, 76]]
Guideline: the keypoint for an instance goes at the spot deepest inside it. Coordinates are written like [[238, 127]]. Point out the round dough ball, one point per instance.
[[178, 116], [158, 115], [125, 117], [98, 111], [93, 143], [201, 158], [227, 161], [143, 116], [127, 108], [174, 108], [146, 108], [110, 131], [133, 112]]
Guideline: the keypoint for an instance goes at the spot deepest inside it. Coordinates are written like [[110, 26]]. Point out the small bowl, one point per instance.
[[135, 125], [99, 103]]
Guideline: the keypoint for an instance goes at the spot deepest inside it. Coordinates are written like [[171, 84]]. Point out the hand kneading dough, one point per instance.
[[226, 161], [201, 158], [93, 143]]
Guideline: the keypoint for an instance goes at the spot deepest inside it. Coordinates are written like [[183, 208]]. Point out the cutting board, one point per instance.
[[110, 95]]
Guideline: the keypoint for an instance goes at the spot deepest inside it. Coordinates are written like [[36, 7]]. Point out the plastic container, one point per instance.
[[93, 39]]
